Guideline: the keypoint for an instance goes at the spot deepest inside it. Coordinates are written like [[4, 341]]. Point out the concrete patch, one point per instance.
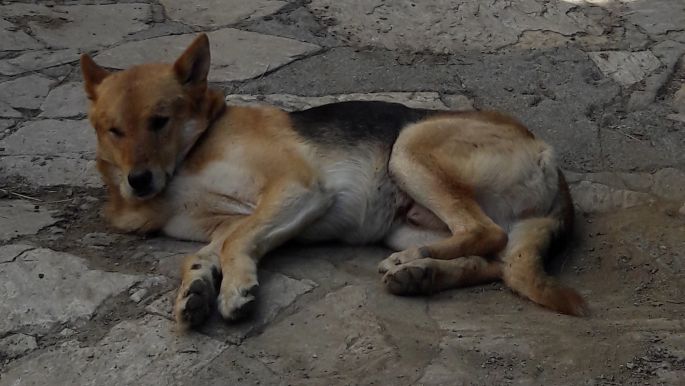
[[20, 217], [216, 13], [66, 100], [625, 67], [244, 55], [52, 170], [27, 92], [142, 352], [424, 100], [7, 111], [42, 288]]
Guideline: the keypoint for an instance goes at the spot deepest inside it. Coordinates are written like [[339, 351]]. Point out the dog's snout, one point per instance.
[[140, 181]]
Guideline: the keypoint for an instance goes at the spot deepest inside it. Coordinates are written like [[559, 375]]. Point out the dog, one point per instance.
[[463, 198]]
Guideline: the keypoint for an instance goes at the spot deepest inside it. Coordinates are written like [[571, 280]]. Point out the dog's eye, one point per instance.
[[116, 132], [157, 122]]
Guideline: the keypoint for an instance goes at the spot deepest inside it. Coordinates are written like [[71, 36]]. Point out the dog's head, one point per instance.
[[148, 117]]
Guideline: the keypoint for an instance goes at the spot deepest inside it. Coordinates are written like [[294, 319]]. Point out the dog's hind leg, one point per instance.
[[426, 276]]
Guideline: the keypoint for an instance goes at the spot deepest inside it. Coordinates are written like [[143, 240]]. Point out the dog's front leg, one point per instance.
[[282, 212]]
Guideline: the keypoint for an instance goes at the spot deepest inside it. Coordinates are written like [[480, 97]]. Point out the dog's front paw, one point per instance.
[[415, 277], [402, 257], [193, 302], [235, 301]]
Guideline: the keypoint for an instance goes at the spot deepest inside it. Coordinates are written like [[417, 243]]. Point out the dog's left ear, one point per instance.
[[93, 75], [192, 66]]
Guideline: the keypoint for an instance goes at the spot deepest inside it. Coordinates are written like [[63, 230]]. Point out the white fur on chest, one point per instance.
[[221, 190]]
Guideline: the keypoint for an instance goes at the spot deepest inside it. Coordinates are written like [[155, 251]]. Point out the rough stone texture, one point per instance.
[[244, 55], [7, 111], [424, 100], [33, 217], [27, 93], [81, 26], [216, 13], [449, 26], [16, 345], [162, 357], [51, 152], [42, 288], [656, 16], [679, 100], [626, 67], [593, 197], [36, 60], [13, 39], [669, 183], [67, 100]]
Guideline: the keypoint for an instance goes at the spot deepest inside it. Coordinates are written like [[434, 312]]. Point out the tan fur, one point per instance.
[[465, 198]]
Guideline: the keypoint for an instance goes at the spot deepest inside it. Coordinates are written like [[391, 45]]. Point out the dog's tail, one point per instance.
[[523, 265]]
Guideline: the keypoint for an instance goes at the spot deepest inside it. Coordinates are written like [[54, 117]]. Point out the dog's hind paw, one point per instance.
[[413, 278]]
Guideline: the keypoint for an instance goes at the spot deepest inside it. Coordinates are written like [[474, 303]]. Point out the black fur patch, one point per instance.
[[349, 123]]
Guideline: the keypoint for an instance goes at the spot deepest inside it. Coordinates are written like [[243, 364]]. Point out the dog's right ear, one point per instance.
[[192, 66], [93, 75]]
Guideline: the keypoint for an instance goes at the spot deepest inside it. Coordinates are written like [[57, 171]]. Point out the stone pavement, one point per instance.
[[602, 80]]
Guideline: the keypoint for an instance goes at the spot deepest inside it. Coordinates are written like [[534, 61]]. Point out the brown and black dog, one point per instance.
[[463, 197]]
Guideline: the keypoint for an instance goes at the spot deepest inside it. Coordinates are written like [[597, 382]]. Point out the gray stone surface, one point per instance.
[[669, 183], [65, 101], [27, 92], [81, 26], [7, 111], [626, 67], [161, 357], [16, 345], [43, 288], [50, 136], [217, 13], [13, 39], [33, 217], [595, 197], [424, 100], [449, 26], [36, 60], [51, 152], [244, 55]]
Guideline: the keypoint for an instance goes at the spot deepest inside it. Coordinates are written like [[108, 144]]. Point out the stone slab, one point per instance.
[[656, 17], [238, 55], [593, 197], [84, 27], [16, 345], [625, 67], [27, 92], [64, 101], [52, 170], [447, 25], [42, 288], [217, 13], [13, 39], [22, 217], [424, 100], [141, 352], [7, 111], [37, 60], [51, 137]]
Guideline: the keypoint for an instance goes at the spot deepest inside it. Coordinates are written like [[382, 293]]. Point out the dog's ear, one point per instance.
[[93, 75], [192, 66]]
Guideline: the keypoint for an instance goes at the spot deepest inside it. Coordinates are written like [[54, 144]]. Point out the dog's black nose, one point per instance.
[[140, 181]]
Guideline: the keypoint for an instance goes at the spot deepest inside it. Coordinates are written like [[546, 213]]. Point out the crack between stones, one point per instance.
[[14, 259]]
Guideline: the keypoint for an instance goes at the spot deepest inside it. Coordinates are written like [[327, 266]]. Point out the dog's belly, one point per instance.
[[365, 201]]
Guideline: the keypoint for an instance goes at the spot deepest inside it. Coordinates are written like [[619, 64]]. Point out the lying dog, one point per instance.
[[463, 197]]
